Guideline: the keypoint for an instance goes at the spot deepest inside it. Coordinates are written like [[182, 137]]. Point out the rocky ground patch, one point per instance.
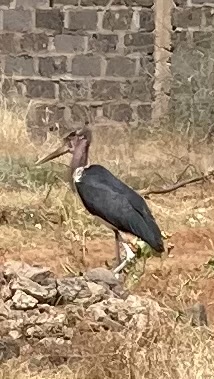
[[50, 321]]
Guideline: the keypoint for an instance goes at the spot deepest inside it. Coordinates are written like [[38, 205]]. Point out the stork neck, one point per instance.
[[80, 156]]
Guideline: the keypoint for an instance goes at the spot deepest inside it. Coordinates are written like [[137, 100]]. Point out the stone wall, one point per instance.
[[192, 60], [79, 59]]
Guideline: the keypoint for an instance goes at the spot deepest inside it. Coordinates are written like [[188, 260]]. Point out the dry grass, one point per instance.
[[168, 350], [41, 226]]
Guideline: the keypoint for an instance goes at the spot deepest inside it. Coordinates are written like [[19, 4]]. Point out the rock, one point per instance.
[[97, 293], [98, 312], [101, 274], [40, 323], [33, 289], [8, 349], [107, 279], [38, 274], [133, 312], [4, 311], [23, 301], [120, 291], [34, 309], [52, 327], [5, 292], [73, 289], [15, 334]]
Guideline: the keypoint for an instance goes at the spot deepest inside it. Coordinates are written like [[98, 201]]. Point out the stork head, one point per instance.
[[73, 141]]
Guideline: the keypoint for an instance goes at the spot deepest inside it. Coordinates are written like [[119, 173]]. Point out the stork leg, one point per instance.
[[129, 254], [117, 246]]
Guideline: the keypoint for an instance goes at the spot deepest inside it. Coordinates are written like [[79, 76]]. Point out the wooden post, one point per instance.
[[163, 28]]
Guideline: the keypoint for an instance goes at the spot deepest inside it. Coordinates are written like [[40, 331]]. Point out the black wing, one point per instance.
[[110, 199]]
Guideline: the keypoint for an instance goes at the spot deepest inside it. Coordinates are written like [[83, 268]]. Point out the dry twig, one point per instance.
[[175, 186]]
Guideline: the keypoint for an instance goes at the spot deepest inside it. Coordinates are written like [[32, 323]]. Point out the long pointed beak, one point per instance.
[[57, 153]]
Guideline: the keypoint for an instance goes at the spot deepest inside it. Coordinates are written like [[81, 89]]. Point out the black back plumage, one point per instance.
[[109, 198]]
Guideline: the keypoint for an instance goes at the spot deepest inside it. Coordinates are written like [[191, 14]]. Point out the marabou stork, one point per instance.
[[108, 198]]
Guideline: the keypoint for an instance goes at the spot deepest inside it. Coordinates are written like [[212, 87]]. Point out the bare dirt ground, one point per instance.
[[42, 222], [179, 280]]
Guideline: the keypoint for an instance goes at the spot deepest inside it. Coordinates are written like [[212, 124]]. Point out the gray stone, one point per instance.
[[40, 89], [14, 90], [133, 312], [203, 40], [106, 90], [144, 112], [74, 90], [52, 66], [81, 113], [9, 43], [23, 301], [147, 67], [51, 19], [117, 20], [103, 43], [208, 14], [86, 65], [98, 293], [118, 112], [120, 291], [139, 42], [26, 4], [101, 3], [100, 274], [121, 66], [17, 20], [179, 38], [65, 2], [82, 20], [69, 44], [8, 349], [182, 2], [12, 269], [15, 334], [186, 17], [139, 3], [34, 42], [140, 89], [48, 323], [19, 65], [5, 3], [202, 2], [4, 310], [2, 64], [37, 115], [72, 289], [5, 292], [129, 3], [41, 293], [147, 21]]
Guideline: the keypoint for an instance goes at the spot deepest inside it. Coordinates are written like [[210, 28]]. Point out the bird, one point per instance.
[[106, 197]]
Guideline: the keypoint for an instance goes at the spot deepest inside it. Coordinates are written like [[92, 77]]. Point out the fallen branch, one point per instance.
[[175, 186]]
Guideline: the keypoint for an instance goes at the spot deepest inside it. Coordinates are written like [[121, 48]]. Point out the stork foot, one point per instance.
[[129, 253], [129, 257]]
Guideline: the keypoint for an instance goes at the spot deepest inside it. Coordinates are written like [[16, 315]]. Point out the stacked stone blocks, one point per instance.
[[79, 59]]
